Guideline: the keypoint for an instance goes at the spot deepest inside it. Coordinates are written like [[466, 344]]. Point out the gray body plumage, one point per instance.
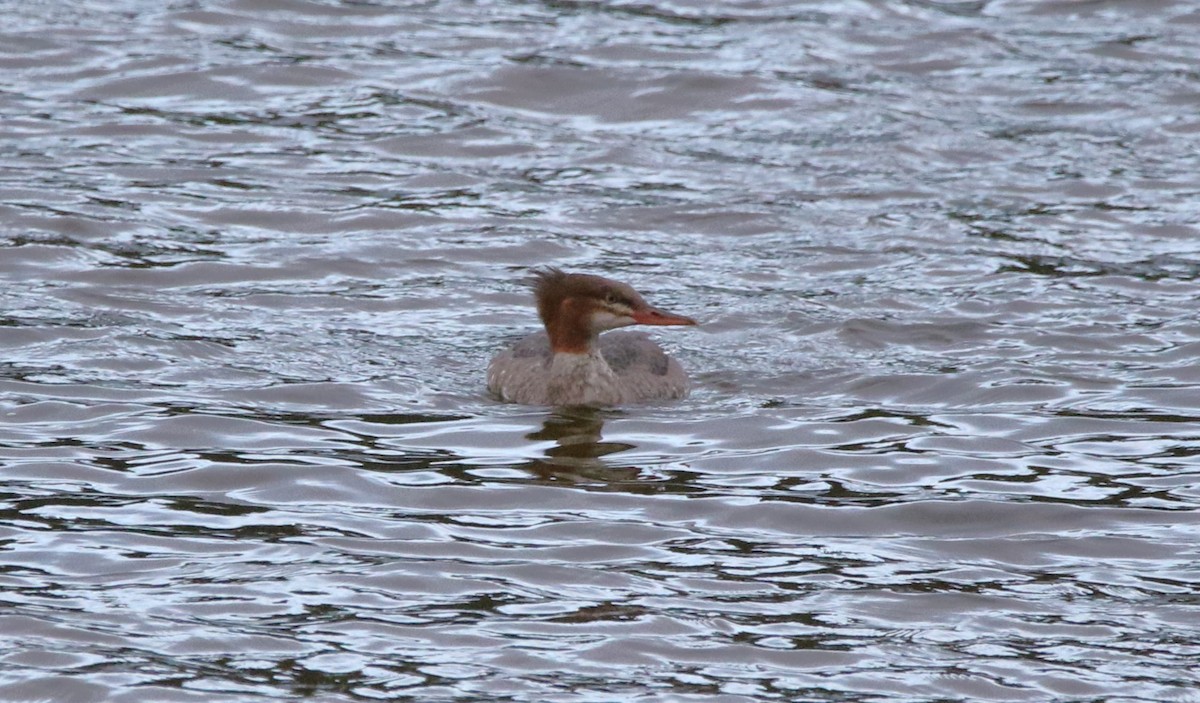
[[623, 367]]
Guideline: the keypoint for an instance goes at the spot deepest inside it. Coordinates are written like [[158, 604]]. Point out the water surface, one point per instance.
[[254, 256]]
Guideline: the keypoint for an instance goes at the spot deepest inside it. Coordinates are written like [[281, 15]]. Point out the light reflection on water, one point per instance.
[[942, 445]]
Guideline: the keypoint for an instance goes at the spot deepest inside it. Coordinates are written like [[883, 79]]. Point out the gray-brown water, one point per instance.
[[255, 254]]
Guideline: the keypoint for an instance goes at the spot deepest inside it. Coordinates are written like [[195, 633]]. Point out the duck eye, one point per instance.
[[611, 298]]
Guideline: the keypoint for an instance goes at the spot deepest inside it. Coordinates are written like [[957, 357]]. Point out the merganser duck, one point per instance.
[[572, 364]]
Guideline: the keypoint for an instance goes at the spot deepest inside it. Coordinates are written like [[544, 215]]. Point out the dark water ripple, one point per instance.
[[254, 256]]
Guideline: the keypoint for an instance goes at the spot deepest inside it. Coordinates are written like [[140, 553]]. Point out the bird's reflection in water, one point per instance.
[[580, 450]]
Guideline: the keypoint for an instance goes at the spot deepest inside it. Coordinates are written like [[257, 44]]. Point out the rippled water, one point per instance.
[[255, 255]]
